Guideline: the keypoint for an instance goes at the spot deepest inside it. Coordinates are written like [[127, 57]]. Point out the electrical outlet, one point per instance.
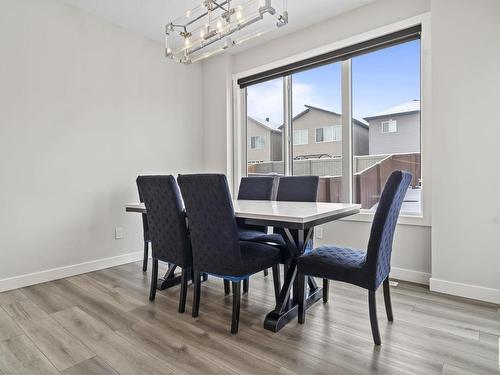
[[319, 232], [118, 233]]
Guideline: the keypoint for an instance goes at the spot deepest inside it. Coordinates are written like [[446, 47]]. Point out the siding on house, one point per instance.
[[405, 140], [312, 118], [272, 149]]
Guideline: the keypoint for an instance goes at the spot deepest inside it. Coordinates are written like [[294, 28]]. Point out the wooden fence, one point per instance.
[[369, 180], [369, 183]]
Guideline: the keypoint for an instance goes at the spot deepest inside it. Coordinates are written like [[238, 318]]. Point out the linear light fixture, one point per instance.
[[216, 25]]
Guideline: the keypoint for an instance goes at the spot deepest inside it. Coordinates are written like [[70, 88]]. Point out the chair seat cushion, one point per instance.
[[335, 263], [256, 257], [273, 239]]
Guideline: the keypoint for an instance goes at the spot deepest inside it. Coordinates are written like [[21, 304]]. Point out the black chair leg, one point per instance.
[[301, 296], [325, 290], [186, 273], [145, 260], [197, 292], [276, 281], [205, 276], [387, 300], [154, 280], [372, 305], [266, 272], [235, 321], [245, 285], [227, 287]]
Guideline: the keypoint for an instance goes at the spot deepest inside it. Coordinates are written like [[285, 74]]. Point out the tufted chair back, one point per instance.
[[145, 226], [298, 189], [166, 219], [378, 258], [256, 188], [214, 234]]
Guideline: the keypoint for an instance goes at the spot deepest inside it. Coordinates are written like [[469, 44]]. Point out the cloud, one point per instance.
[[266, 99]]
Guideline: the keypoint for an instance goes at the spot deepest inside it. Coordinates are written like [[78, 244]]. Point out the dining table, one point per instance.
[[296, 222]]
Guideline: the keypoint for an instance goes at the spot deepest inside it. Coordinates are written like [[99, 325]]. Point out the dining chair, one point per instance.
[[296, 189], [167, 228], [257, 188], [365, 269], [216, 247], [145, 231]]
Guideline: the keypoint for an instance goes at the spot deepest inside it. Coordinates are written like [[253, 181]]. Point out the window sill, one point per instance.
[[404, 219]]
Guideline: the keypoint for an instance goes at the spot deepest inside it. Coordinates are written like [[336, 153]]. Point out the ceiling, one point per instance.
[[148, 17]]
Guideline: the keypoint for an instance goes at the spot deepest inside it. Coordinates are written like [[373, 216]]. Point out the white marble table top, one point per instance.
[[291, 212]]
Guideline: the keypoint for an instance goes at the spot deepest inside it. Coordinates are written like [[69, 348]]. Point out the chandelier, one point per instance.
[[217, 25]]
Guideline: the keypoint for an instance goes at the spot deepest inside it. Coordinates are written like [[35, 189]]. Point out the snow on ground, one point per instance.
[[411, 204]]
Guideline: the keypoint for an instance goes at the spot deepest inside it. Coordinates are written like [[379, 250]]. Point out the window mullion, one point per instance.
[[287, 126], [346, 90]]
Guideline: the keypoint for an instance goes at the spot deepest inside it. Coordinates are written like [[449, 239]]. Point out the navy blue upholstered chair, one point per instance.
[[216, 247], [257, 188], [298, 189], [167, 228], [145, 231], [365, 269]]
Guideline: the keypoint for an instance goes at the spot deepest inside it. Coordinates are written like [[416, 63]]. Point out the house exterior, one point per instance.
[[395, 130], [264, 140], [317, 132]]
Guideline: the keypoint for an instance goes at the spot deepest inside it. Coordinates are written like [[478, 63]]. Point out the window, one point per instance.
[[316, 105], [300, 137], [389, 126], [378, 90], [257, 142], [263, 128], [329, 134], [397, 69]]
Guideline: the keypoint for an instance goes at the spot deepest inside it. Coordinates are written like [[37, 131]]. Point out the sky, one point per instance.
[[380, 80]]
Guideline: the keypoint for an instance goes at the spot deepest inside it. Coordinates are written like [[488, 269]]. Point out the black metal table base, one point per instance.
[[275, 321], [172, 279], [287, 307]]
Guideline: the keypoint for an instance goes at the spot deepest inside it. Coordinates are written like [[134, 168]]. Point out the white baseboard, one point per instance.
[[410, 275], [480, 293], [72, 270]]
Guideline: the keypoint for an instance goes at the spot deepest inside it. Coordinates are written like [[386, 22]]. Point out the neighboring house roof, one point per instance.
[[309, 107], [265, 123], [402, 109]]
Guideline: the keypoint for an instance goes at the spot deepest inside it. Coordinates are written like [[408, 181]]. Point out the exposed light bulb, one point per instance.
[[202, 34], [169, 50], [239, 15], [219, 25], [186, 42], [188, 13]]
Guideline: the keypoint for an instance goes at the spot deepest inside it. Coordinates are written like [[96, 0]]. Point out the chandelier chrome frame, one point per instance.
[[217, 25]]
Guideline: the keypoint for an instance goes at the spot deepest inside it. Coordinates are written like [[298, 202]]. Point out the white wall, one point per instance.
[[84, 108], [217, 136], [466, 126], [412, 247]]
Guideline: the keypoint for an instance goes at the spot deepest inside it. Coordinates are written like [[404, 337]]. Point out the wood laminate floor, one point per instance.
[[103, 323]]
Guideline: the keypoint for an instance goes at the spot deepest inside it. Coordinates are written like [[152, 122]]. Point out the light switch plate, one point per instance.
[[118, 233], [318, 232]]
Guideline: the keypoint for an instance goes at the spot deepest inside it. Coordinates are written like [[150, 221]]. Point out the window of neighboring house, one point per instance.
[[390, 126], [329, 134], [300, 137], [257, 142]]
